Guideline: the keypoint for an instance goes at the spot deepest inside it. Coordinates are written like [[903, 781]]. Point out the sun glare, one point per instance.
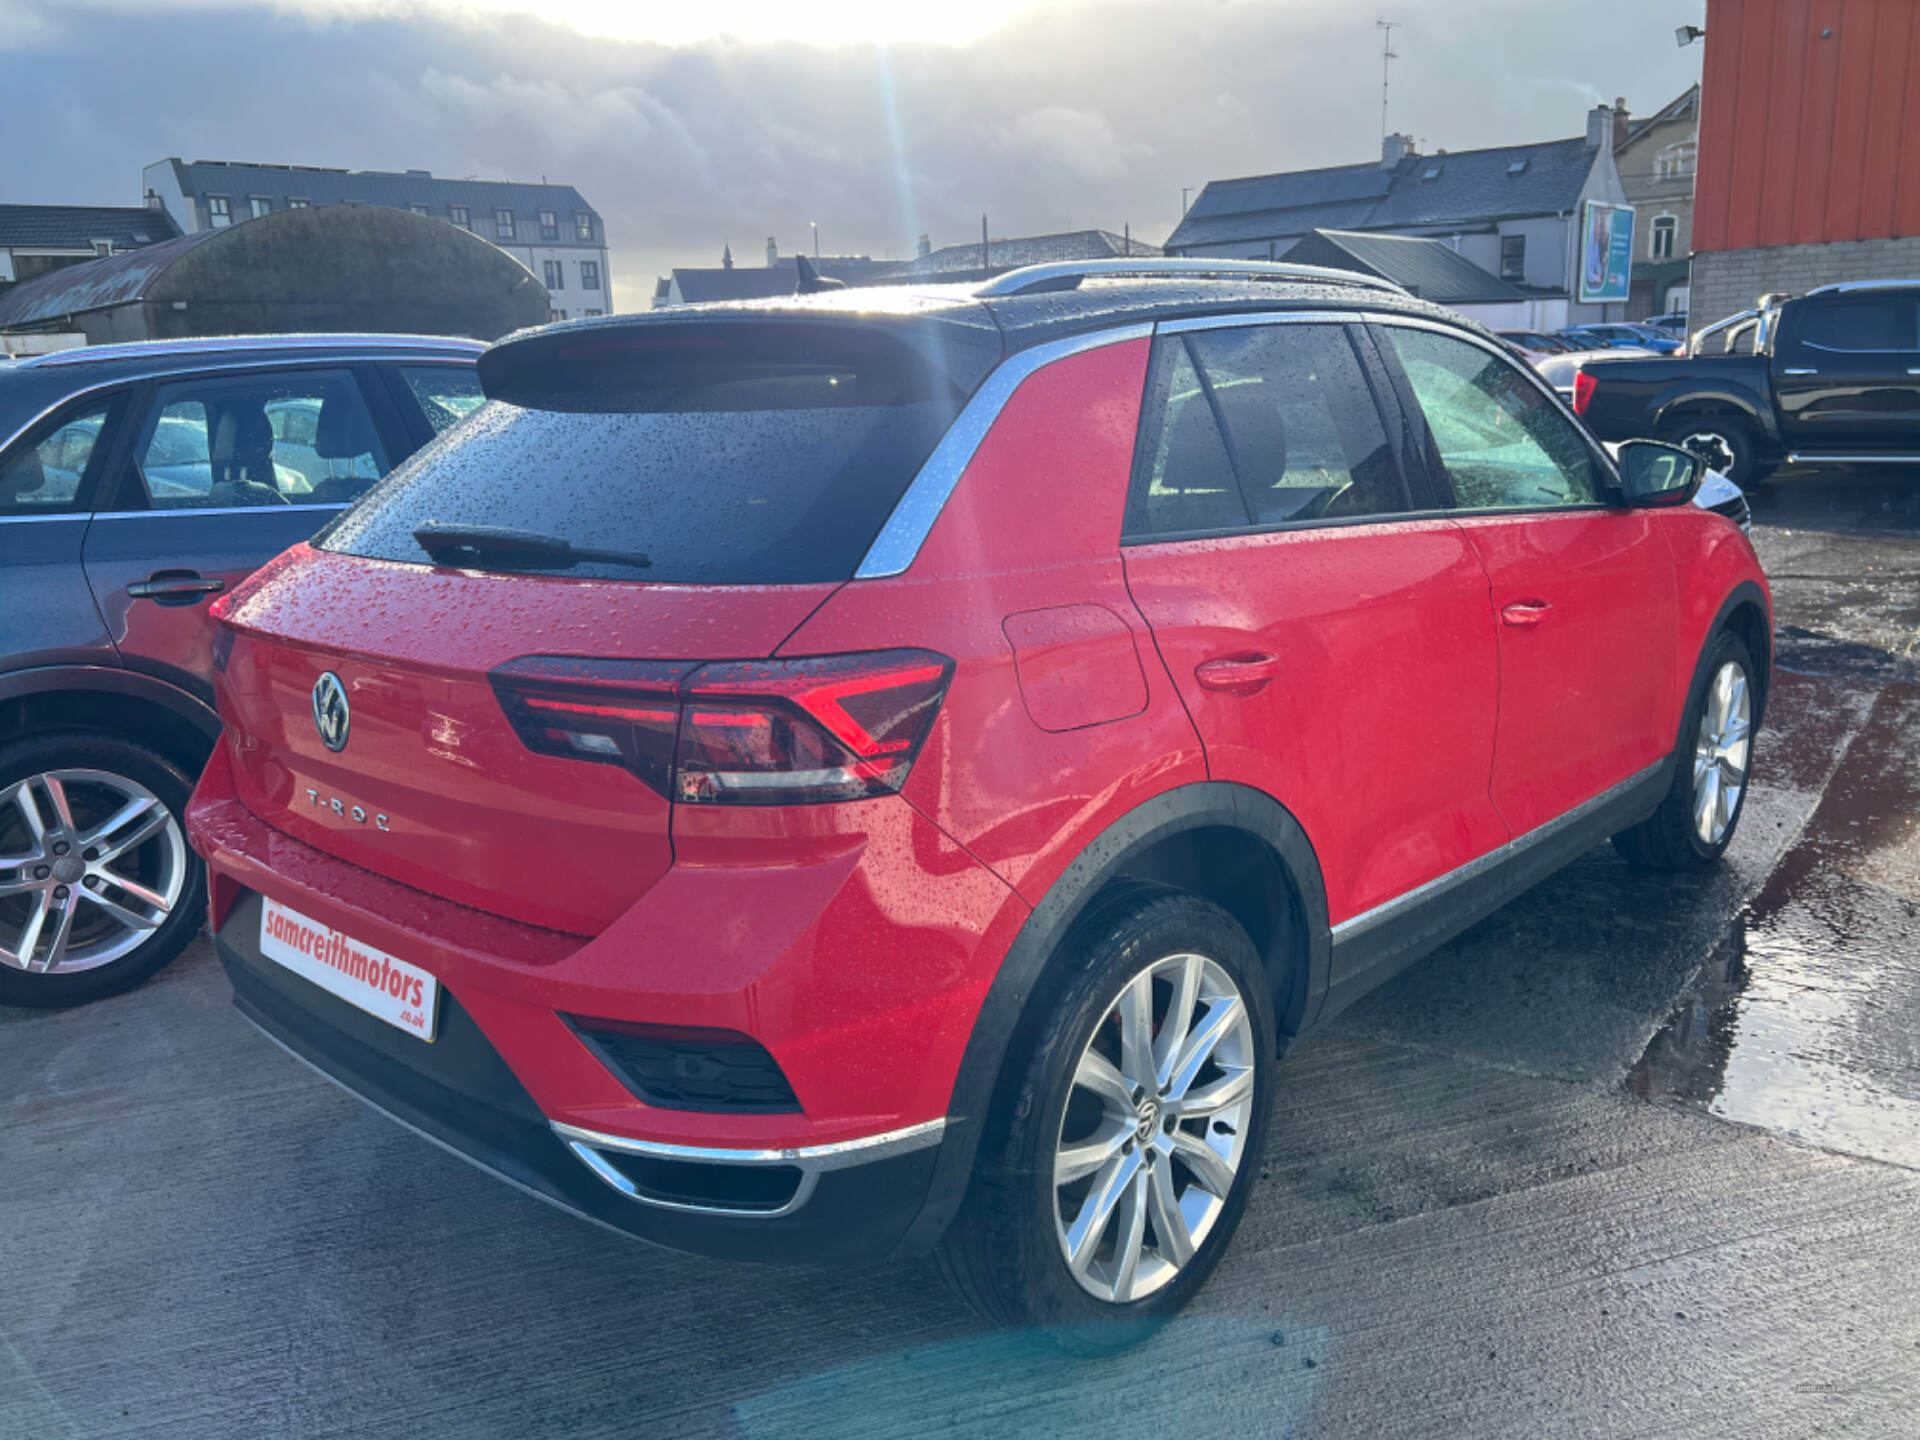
[[826, 22]]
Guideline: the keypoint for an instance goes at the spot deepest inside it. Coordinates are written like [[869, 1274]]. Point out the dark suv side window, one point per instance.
[[45, 475], [1254, 427], [1490, 431], [299, 438], [1866, 323]]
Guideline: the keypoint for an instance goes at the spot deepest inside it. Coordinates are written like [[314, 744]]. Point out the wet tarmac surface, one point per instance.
[[1635, 1156]]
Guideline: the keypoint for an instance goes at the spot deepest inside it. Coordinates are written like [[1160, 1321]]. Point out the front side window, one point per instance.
[[549, 225], [298, 439], [1260, 426], [44, 477], [1491, 432], [589, 275], [219, 211], [446, 395], [555, 273], [503, 224], [1513, 257]]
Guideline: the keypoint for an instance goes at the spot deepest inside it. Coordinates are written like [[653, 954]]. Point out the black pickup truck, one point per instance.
[[1834, 379]]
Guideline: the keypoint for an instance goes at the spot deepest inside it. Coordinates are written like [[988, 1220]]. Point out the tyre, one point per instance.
[[1696, 821], [1127, 1131], [98, 889], [1725, 442]]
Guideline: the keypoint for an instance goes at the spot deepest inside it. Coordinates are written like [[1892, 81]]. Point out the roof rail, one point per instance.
[[133, 349], [1847, 286], [1067, 274]]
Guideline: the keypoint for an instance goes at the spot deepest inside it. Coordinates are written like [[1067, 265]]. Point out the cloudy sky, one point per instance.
[[693, 124]]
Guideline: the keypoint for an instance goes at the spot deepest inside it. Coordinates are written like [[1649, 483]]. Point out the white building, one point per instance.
[[550, 229]]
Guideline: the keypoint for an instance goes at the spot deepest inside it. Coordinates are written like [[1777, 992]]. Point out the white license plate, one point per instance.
[[389, 989]]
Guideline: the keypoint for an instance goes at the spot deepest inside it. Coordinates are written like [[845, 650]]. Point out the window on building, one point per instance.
[[582, 225], [219, 211], [1513, 257], [503, 224], [417, 208], [556, 314], [298, 202], [1660, 237], [589, 274], [1676, 162], [259, 205], [458, 215], [593, 312], [549, 225], [555, 273]]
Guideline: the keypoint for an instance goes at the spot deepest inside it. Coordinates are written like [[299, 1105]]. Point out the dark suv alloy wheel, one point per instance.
[[1118, 1162], [1725, 442], [98, 888]]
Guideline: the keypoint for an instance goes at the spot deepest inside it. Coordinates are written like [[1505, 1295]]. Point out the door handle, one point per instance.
[[175, 587], [1236, 674], [1799, 370], [1526, 613]]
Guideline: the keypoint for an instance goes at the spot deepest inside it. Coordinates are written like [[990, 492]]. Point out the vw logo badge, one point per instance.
[[330, 715]]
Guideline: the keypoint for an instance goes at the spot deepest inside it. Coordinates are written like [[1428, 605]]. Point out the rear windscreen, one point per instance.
[[721, 468]]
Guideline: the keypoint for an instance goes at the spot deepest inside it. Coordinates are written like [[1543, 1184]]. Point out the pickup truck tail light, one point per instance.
[[754, 732], [1583, 387]]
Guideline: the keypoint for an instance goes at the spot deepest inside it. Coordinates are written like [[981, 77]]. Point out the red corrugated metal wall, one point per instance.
[[1805, 138]]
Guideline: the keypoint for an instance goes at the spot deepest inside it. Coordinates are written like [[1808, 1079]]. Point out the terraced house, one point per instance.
[[550, 229]]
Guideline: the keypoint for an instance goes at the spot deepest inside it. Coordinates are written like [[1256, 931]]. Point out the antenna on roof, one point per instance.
[[1387, 57]]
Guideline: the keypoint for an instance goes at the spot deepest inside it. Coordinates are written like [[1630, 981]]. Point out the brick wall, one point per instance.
[[1727, 281]]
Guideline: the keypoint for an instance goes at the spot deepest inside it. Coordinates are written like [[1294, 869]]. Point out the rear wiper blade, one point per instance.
[[451, 543]]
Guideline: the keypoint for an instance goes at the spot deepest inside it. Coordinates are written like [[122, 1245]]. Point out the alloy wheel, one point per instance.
[[91, 864], [1712, 447], [1155, 1127], [1721, 753]]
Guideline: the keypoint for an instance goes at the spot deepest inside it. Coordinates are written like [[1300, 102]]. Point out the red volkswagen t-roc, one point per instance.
[[885, 771]]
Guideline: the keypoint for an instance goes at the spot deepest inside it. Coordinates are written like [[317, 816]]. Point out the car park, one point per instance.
[[1674, 322], [1536, 344], [1832, 380], [137, 481], [1623, 336], [825, 780]]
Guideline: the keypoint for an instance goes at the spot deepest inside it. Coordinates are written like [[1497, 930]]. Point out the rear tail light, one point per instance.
[[1583, 388], [756, 732]]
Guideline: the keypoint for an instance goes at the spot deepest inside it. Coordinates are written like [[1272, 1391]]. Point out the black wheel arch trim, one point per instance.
[[1747, 592], [108, 679], [1203, 805], [1755, 409]]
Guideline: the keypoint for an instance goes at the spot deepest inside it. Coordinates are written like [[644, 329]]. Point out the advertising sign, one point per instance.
[[1606, 252]]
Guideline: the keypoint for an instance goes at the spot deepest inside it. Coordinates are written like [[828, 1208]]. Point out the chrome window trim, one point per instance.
[[41, 519], [1190, 323], [1357, 925], [1850, 287], [913, 517], [811, 1160], [217, 510], [1804, 457], [135, 349]]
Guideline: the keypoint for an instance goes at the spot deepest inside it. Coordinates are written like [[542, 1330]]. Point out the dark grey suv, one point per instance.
[[136, 481]]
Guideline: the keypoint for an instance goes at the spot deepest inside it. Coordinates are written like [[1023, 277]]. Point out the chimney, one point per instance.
[[1600, 128], [1619, 118], [1394, 149], [925, 247], [773, 253]]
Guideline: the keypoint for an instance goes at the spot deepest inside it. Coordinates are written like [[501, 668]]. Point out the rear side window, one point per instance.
[[1868, 323], [1259, 426], [44, 476], [722, 462], [446, 394]]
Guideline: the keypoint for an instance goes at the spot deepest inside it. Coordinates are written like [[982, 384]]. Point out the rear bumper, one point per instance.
[[851, 1204]]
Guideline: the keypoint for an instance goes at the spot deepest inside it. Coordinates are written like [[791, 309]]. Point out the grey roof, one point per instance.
[[93, 284], [1431, 269], [396, 189], [1469, 186], [76, 227], [759, 282], [951, 260]]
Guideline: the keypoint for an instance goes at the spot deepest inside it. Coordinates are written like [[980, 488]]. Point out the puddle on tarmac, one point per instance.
[[1805, 1024]]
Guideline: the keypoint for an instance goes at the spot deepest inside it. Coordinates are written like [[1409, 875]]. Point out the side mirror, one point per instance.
[[1655, 473]]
